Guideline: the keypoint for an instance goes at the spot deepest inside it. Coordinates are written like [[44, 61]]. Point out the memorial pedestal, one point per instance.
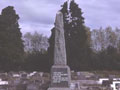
[[60, 78], [58, 88]]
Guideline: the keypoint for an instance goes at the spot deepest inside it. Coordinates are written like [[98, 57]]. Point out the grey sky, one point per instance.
[[39, 15]]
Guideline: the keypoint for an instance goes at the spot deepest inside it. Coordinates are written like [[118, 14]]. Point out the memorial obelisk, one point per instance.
[[60, 72]]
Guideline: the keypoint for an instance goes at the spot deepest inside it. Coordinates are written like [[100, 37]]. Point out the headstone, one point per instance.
[[60, 72], [118, 86], [21, 87], [32, 86], [81, 76]]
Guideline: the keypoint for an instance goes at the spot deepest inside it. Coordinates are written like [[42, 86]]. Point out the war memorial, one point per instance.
[[60, 72]]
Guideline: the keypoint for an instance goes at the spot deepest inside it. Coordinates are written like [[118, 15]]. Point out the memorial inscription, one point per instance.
[[60, 77]]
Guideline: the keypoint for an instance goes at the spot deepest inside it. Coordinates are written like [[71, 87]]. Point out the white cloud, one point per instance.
[[99, 13], [41, 13], [41, 28]]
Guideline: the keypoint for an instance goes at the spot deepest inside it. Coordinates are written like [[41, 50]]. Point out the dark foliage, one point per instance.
[[109, 59], [36, 61], [51, 47], [11, 44]]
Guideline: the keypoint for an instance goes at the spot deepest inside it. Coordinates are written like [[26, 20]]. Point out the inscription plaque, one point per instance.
[[59, 77]]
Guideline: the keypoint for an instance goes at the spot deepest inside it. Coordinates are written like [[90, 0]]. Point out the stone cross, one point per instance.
[[59, 50]]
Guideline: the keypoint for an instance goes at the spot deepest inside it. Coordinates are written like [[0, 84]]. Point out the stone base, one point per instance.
[[59, 89], [60, 77]]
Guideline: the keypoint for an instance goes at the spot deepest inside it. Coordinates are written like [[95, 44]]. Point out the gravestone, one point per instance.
[[32, 86], [118, 86], [60, 72]]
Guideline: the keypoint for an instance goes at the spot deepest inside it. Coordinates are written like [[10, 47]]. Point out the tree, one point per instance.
[[117, 33], [77, 46], [109, 59], [111, 37], [102, 38], [98, 39], [36, 52], [105, 43], [51, 48], [11, 44], [35, 42], [36, 61]]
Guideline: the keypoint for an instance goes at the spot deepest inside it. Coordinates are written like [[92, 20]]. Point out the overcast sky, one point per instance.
[[39, 15]]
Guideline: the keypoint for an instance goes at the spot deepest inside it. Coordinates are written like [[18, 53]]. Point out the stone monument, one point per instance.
[[60, 72]]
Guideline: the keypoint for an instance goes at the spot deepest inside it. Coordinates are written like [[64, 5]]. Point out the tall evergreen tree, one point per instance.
[[77, 47], [11, 44], [50, 53]]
